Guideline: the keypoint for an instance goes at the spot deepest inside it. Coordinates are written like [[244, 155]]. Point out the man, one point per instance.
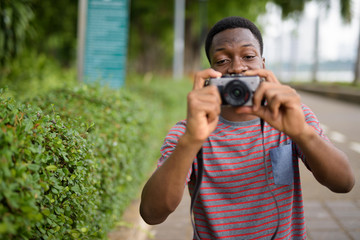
[[251, 186]]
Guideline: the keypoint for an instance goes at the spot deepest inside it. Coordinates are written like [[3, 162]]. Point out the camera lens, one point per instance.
[[236, 93]]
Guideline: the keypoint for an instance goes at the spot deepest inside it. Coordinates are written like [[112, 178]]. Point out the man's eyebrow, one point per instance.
[[219, 49], [248, 45]]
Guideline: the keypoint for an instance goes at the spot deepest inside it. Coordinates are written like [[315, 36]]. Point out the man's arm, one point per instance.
[[328, 164], [283, 111], [164, 190]]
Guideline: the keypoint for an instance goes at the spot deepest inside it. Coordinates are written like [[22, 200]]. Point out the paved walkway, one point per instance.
[[329, 216]]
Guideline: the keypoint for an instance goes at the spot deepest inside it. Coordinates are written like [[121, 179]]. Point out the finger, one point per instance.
[[201, 76], [260, 112], [271, 92], [208, 110], [274, 104], [263, 73], [213, 115], [209, 95], [278, 96], [259, 95]]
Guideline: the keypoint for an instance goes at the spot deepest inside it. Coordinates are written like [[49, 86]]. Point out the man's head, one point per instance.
[[231, 39], [229, 23]]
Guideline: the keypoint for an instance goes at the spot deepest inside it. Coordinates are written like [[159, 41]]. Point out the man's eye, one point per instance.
[[249, 57], [220, 62]]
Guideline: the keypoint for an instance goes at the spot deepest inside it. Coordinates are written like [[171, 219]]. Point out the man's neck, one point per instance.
[[229, 114]]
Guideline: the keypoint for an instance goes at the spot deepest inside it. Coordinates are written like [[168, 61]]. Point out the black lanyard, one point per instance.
[[200, 163]]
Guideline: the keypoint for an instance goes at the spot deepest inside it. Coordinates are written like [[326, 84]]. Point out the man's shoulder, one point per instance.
[[179, 127]]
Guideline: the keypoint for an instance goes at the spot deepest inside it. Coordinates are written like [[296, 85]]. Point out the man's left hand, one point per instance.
[[283, 106]]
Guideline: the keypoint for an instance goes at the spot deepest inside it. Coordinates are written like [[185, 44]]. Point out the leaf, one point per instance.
[[46, 212], [33, 167], [45, 186], [51, 168], [75, 188], [54, 190], [28, 124], [3, 228]]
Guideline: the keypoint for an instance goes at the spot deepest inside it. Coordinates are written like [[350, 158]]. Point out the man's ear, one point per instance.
[[263, 63]]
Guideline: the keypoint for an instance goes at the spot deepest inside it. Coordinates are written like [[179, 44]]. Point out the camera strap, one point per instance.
[[200, 164], [262, 123]]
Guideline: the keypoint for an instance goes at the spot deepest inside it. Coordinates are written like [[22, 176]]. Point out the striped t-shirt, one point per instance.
[[236, 198]]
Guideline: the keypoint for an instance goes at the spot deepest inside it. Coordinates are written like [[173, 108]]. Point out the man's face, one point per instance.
[[235, 51]]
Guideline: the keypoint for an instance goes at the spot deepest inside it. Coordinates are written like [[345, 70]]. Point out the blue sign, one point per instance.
[[105, 42]]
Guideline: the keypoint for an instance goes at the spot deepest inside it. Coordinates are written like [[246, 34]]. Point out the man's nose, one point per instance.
[[237, 66]]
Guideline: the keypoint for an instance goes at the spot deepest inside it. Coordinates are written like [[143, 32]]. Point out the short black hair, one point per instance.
[[229, 23]]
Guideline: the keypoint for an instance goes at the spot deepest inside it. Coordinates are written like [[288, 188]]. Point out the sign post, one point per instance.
[[179, 42], [102, 41]]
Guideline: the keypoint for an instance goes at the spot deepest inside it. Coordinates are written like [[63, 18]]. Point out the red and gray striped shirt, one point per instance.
[[243, 194]]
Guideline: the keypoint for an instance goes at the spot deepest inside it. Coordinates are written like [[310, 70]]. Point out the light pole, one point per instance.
[[179, 42]]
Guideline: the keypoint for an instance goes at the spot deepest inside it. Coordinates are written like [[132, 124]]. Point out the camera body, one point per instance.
[[236, 90]]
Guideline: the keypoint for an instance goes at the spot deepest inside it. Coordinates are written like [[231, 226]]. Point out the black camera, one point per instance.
[[236, 90]]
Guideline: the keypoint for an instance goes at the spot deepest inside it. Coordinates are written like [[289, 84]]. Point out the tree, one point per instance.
[[15, 16], [50, 27], [55, 24], [289, 8], [151, 35], [44, 26], [356, 80], [195, 31], [217, 9]]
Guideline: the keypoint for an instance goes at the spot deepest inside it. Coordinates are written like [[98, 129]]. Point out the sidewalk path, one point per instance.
[[329, 216], [177, 226]]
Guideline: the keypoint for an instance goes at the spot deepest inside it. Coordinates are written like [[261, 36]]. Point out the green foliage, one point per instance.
[[293, 8], [244, 8], [168, 98], [50, 28], [44, 26], [150, 35], [48, 179], [119, 125], [31, 74], [345, 10], [15, 17], [70, 166], [55, 24]]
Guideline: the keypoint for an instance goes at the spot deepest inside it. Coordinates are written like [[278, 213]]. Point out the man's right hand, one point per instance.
[[164, 190], [203, 108]]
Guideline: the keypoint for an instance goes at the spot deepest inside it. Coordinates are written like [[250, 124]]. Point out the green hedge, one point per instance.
[[70, 165]]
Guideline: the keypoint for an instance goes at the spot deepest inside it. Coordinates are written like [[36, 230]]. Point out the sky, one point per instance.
[[295, 41]]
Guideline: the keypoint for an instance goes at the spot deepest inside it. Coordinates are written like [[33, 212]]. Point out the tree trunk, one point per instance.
[[356, 80], [179, 42], [316, 49], [192, 45]]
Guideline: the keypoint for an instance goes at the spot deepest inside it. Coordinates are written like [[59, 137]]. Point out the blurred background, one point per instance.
[[304, 40], [321, 35], [315, 42]]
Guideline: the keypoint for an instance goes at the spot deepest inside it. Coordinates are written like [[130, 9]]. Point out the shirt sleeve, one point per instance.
[[312, 120], [170, 143]]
